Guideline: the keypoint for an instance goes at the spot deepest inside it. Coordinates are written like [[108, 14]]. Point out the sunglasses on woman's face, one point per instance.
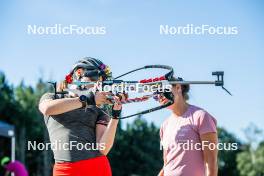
[[87, 79]]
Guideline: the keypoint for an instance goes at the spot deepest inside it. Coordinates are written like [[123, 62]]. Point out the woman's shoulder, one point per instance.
[[49, 96], [200, 114], [196, 110]]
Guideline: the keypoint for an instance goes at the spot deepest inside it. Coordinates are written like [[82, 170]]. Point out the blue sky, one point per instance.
[[133, 40]]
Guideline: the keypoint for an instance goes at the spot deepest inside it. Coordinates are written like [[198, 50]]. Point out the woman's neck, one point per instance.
[[179, 108]]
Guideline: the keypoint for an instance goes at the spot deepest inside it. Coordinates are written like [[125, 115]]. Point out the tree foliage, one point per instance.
[[227, 158], [251, 161], [137, 150]]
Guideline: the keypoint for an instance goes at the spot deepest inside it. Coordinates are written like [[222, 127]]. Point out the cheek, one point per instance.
[[174, 91]]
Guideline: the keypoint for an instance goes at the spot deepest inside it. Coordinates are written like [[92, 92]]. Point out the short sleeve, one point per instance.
[[206, 123], [47, 96], [102, 118]]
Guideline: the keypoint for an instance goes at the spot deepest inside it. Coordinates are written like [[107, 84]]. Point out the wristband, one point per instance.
[[90, 98], [116, 113], [83, 100]]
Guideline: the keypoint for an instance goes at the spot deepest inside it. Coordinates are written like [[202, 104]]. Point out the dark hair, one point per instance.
[[185, 87]]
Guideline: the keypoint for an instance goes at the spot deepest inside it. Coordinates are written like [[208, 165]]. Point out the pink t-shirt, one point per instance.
[[180, 138], [17, 168]]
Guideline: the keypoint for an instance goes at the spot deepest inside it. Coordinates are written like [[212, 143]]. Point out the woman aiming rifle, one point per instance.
[[85, 132]]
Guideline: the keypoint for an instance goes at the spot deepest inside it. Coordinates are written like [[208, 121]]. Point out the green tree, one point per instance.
[[137, 150], [247, 167], [8, 106], [227, 158], [8, 109], [31, 126], [251, 160], [19, 106]]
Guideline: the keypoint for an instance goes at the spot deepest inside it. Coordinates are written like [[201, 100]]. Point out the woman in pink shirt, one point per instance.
[[188, 137]]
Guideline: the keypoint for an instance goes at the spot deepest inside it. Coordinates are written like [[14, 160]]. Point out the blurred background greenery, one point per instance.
[[137, 145]]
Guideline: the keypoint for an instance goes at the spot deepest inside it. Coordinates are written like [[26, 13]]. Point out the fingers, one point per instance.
[[117, 104], [109, 98], [62, 85], [104, 98], [162, 100], [122, 96], [117, 100]]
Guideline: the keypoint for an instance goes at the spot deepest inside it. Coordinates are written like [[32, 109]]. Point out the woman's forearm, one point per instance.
[[212, 167], [210, 155], [108, 136], [59, 106]]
